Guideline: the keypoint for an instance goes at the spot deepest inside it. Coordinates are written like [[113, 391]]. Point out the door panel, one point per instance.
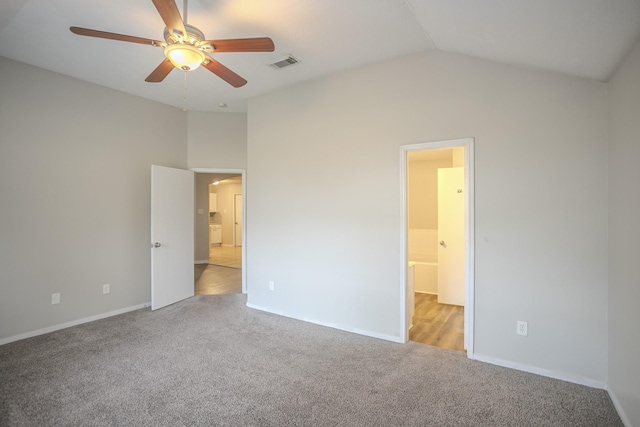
[[451, 236], [172, 247], [237, 214]]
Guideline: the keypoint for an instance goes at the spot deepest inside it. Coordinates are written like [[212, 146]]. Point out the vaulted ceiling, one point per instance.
[[583, 38]]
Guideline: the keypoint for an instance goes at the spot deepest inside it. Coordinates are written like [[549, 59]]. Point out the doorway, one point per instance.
[[219, 263], [437, 242]]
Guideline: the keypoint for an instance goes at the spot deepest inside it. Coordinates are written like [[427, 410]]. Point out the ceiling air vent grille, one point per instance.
[[283, 62]]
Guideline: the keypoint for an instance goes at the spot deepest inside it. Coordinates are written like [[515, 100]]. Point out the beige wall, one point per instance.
[[624, 237], [458, 157], [324, 214], [217, 140], [422, 187], [75, 167]]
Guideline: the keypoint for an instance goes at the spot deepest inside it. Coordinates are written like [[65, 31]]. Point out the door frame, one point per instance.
[[469, 233], [244, 214]]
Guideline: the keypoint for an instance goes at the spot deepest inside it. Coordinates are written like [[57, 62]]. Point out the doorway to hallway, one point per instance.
[[219, 258]]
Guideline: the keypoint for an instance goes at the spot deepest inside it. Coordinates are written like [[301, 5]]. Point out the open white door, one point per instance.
[[451, 236], [172, 247]]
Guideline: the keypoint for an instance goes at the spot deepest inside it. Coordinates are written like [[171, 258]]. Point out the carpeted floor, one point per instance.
[[211, 361]]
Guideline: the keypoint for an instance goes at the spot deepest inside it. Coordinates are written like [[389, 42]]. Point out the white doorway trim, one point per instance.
[[244, 214], [469, 254]]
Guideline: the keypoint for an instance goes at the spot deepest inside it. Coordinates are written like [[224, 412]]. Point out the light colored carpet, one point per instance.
[[211, 361]]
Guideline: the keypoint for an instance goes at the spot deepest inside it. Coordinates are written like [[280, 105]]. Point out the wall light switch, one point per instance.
[[55, 298], [106, 288]]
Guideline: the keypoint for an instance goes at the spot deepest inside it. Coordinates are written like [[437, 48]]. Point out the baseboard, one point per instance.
[[72, 323], [564, 376], [331, 325], [616, 404], [201, 261]]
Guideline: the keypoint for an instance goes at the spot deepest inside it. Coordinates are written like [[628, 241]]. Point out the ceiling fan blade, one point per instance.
[[257, 44], [113, 36], [160, 72], [224, 73], [170, 15]]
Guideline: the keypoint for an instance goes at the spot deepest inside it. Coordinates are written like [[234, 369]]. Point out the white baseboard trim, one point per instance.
[[72, 323], [564, 376], [331, 325], [616, 404], [201, 261]]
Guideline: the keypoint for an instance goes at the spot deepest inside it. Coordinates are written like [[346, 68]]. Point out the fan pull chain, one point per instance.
[[185, 92]]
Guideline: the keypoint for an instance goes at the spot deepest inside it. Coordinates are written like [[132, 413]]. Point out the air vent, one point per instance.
[[283, 62]]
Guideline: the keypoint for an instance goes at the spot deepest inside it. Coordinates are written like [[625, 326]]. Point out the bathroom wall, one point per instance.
[[422, 186], [422, 199]]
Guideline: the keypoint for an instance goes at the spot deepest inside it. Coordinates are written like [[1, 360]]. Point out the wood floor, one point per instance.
[[216, 280], [227, 256], [223, 274], [439, 325]]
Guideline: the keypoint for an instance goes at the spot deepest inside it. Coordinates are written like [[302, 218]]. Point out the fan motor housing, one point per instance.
[[193, 36]]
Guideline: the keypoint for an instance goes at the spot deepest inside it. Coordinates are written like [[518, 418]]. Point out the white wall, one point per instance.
[[217, 140], [624, 237], [324, 193], [75, 166]]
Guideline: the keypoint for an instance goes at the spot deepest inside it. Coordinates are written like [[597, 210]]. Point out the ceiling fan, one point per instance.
[[185, 46]]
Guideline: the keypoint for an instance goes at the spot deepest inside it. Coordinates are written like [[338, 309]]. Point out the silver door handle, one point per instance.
[[156, 245], [442, 243]]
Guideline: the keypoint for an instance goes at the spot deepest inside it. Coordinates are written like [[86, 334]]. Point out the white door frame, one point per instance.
[[469, 255], [244, 214]]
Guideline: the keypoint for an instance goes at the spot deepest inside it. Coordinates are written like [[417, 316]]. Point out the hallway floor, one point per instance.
[[227, 256], [223, 274], [439, 325], [216, 280]]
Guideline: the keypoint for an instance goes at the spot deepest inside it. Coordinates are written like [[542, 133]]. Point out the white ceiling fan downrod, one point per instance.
[[185, 5]]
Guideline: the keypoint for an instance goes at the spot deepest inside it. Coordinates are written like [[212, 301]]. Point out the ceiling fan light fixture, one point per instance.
[[184, 56]]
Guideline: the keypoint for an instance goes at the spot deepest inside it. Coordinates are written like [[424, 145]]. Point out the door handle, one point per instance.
[[156, 245], [442, 243]]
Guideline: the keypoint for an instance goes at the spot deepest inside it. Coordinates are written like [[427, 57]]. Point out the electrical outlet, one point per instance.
[[55, 298], [521, 328], [271, 285], [106, 288]]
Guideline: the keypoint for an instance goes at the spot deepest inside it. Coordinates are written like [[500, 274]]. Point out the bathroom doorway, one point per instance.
[[437, 242]]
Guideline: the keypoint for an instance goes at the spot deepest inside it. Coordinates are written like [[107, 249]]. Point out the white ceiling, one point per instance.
[[585, 38]]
